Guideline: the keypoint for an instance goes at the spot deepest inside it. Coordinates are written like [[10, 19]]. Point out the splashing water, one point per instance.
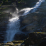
[[33, 9], [14, 24], [12, 28]]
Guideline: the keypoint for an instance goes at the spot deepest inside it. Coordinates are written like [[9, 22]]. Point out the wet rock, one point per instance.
[[33, 21], [35, 38], [20, 36]]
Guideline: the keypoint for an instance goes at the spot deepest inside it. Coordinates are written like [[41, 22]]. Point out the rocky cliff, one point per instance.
[[35, 21]]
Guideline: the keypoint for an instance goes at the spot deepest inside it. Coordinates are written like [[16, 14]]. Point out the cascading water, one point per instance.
[[12, 28], [14, 24], [33, 9]]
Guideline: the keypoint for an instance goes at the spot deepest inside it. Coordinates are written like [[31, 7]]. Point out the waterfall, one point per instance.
[[12, 28], [14, 23]]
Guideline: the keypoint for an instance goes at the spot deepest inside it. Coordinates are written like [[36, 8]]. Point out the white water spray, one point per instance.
[[33, 9], [12, 28], [14, 24]]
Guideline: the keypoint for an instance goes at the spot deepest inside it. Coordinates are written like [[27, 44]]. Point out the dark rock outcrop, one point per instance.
[[20, 36], [35, 39], [33, 21]]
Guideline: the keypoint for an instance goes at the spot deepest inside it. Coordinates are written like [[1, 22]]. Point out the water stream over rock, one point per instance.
[[14, 23]]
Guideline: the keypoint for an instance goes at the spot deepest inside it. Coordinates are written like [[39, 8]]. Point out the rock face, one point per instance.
[[20, 36], [36, 39], [35, 21]]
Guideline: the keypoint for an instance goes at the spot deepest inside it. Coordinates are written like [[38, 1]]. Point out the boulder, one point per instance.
[[20, 36]]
